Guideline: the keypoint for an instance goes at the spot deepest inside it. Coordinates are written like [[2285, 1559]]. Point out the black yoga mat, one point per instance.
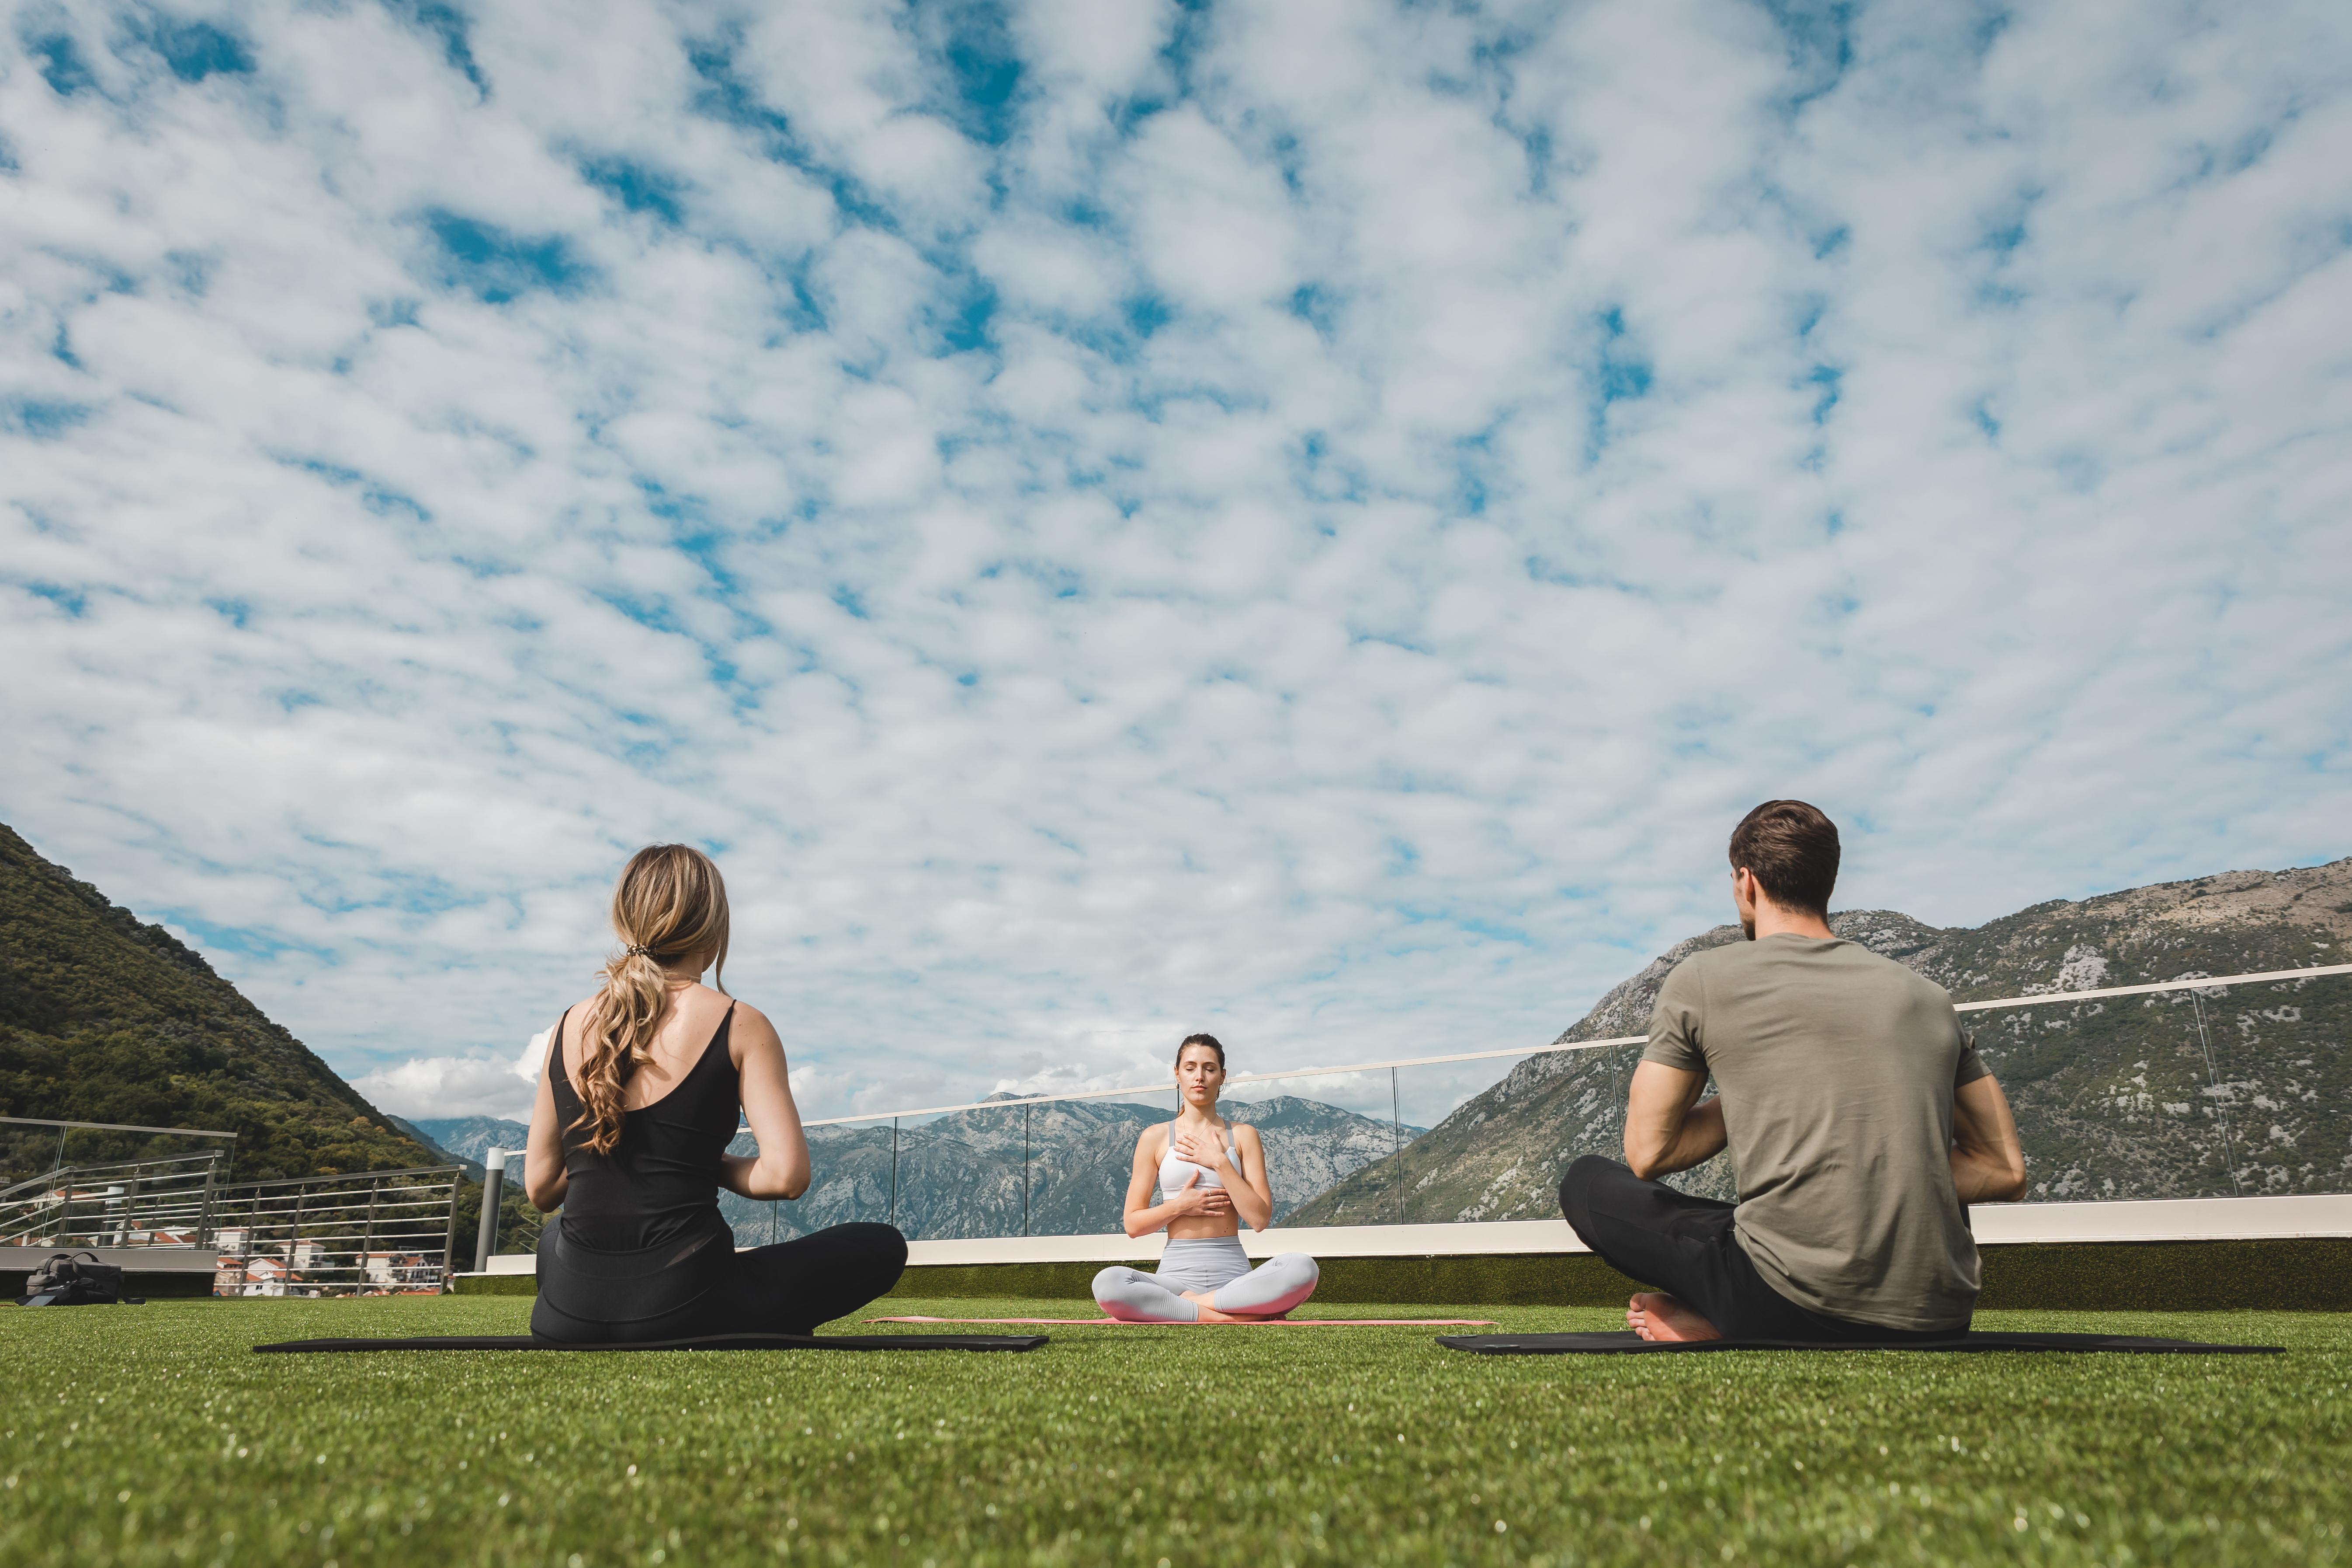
[[721, 1343], [1626, 1342]]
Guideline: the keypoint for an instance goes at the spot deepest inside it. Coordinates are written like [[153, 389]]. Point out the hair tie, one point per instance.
[[639, 950]]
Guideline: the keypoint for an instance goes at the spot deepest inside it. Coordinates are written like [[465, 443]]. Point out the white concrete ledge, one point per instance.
[[1316, 1241], [136, 1259], [2165, 1219], [1996, 1225]]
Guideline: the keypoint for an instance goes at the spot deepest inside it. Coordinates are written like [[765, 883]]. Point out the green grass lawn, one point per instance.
[[152, 1434]]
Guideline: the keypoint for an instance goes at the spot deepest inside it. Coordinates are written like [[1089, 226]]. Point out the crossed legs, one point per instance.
[[1272, 1289], [1686, 1245]]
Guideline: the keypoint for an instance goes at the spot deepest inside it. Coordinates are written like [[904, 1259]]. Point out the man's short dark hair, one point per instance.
[[1793, 850]]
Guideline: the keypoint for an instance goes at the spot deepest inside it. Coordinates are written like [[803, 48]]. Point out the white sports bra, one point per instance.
[[1174, 1167]]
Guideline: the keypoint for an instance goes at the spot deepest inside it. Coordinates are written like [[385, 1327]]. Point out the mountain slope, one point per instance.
[[471, 1138], [2174, 1096], [106, 1018], [961, 1175]]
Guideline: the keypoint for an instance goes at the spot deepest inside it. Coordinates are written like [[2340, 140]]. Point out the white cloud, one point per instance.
[[1308, 522], [447, 1087]]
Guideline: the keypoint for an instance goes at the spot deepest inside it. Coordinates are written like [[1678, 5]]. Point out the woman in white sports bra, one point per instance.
[[1211, 1175]]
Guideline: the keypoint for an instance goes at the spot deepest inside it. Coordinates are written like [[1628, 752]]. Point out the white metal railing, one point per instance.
[[376, 1232], [2197, 982], [131, 1202], [372, 1233]]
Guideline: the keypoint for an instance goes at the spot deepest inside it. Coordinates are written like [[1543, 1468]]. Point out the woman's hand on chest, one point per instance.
[[1205, 1149]]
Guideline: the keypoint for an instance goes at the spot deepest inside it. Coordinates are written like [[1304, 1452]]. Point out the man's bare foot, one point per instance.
[[1655, 1315]]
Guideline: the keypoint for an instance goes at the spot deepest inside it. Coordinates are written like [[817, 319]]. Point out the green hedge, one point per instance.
[[2306, 1274], [2309, 1274]]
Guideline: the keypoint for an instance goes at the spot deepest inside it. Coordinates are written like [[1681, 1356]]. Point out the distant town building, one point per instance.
[[392, 1272]]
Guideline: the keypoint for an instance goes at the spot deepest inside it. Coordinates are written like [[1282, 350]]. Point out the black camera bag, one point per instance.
[[65, 1280]]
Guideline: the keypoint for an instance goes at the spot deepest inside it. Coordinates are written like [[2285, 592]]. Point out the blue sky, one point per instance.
[[1307, 520]]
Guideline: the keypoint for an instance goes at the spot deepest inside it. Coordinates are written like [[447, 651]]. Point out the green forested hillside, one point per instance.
[[106, 1018]]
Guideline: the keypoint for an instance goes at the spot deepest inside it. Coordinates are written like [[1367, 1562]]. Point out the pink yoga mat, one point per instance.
[[1260, 1323]]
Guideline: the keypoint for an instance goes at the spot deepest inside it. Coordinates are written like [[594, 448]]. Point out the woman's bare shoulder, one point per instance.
[[1245, 1133], [752, 1026]]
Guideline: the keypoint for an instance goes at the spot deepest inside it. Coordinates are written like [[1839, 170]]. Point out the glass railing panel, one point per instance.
[[969, 1174], [1055, 1167], [142, 1189], [1333, 1130], [1081, 1157], [2282, 1082], [29, 1152], [850, 1180], [520, 1226], [2220, 1091], [1482, 1139]]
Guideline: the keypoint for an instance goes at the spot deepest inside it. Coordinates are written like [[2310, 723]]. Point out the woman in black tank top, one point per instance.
[[636, 1109]]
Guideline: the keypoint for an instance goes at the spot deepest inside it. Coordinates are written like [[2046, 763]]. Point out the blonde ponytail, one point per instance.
[[670, 904]]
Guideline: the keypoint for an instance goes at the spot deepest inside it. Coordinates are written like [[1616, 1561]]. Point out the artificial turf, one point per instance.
[[152, 1434]]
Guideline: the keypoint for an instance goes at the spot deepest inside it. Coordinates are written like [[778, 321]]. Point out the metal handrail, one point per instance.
[[110, 1127], [353, 1176]]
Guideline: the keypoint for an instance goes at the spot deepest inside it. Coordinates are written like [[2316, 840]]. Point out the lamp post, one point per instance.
[[494, 1181]]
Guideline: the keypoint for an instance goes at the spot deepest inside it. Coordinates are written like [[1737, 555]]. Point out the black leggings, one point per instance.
[[785, 1288], [1684, 1246]]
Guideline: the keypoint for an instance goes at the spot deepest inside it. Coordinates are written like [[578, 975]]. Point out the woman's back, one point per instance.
[[629, 1132], [660, 1181]]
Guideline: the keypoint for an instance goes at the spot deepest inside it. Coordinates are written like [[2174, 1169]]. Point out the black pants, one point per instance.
[[785, 1288], [1684, 1246]]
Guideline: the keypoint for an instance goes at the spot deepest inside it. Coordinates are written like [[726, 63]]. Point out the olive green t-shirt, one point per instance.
[[1836, 1069]]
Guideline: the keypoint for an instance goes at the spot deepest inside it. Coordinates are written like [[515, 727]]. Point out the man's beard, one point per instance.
[[1748, 927]]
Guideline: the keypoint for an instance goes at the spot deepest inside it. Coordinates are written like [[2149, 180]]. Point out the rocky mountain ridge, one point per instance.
[[470, 1139]]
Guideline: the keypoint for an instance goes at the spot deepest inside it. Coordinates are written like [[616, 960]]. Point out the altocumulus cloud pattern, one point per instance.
[[1306, 519]]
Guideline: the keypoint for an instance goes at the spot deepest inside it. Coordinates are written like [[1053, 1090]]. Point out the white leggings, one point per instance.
[[1216, 1264]]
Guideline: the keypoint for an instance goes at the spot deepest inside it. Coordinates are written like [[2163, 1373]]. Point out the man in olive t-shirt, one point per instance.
[[1858, 1118]]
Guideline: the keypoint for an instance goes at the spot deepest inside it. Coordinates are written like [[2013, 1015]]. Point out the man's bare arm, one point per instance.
[[1667, 1127], [1988, 1162]]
